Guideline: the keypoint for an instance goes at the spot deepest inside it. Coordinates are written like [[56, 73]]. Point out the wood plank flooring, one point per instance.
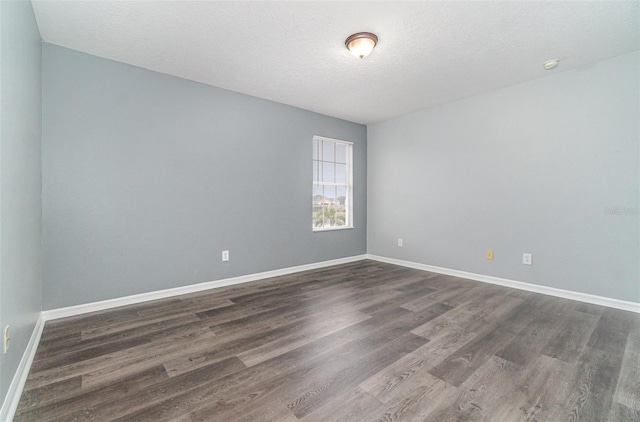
[[365, 341]]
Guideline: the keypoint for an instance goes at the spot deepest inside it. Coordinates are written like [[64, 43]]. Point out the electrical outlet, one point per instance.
[[527, 259], [400, 242], [225, 255], [489, 254], [5, 342]]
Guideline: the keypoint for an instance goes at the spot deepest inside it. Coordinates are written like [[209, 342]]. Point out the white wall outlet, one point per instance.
[[225, 255], [5, 342], [400, 242], [527, 259]]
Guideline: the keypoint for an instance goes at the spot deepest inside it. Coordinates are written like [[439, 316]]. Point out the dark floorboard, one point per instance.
[[365, 341]]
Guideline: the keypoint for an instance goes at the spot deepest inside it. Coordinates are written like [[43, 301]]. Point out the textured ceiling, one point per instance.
[[429, 52]]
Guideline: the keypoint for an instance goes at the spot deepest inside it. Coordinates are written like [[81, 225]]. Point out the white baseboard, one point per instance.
[[17, 384], [536, 288], [162, 294]]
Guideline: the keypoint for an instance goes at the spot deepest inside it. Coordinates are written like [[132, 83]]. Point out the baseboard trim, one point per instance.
[[551, 291], [14, 392], [162, 294]]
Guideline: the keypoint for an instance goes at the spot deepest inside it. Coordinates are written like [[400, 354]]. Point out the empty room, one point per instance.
[[319, 211]]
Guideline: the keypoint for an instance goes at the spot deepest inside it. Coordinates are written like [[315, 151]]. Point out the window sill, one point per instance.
[[330, 229]]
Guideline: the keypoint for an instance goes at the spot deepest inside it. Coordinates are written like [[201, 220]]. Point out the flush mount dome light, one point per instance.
[[361, 44]]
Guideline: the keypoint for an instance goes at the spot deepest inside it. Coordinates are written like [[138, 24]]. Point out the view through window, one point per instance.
[[332, 184]]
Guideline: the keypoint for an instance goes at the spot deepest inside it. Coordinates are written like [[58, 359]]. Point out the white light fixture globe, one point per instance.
[[361, 44]]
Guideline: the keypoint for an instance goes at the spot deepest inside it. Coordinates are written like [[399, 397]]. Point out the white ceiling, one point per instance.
[[429, 52]]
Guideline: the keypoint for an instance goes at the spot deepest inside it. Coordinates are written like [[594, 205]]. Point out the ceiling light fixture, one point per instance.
[[361, 44], [551, 64]]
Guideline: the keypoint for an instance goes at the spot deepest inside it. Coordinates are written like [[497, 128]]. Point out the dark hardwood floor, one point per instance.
[[365, 341]]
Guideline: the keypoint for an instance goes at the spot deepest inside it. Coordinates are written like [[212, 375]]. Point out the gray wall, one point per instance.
[[549, 167], [148, 177], [20, 181]]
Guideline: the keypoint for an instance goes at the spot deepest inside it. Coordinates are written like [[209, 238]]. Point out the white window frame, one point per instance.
[[348, 184]]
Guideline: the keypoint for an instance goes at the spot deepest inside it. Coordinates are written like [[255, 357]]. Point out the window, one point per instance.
[[332, 184]]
